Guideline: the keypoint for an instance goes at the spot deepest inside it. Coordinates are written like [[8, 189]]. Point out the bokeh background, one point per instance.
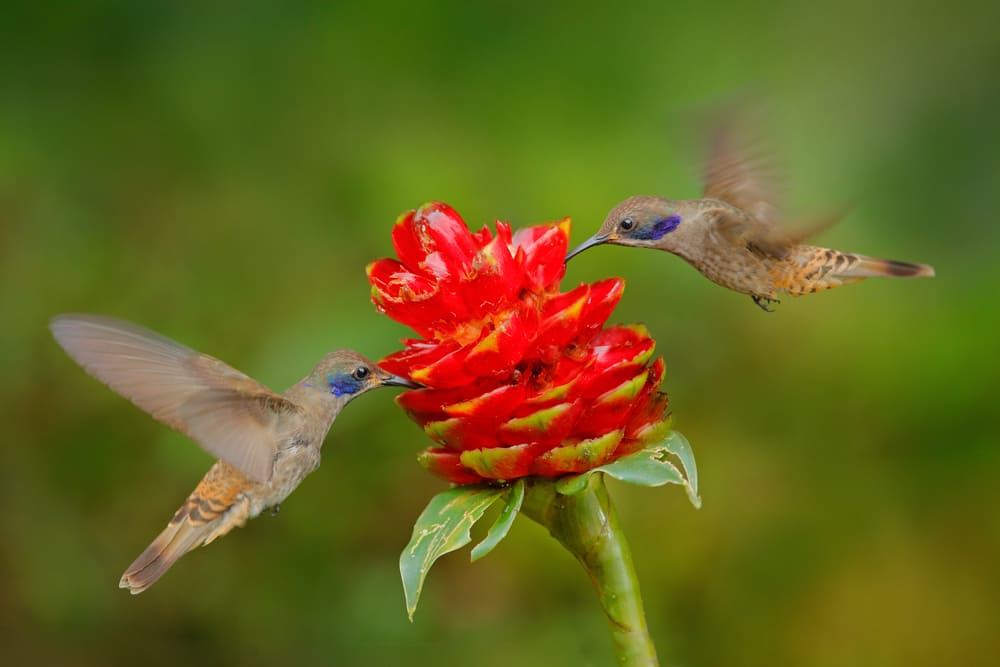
[[224, 174]]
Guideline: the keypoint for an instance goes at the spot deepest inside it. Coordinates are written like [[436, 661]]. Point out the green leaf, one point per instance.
[[500, 528], [442, 528], [678, 445], [650, 466]]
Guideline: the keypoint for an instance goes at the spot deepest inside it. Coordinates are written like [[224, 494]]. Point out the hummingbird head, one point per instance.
[[638, 221], [345, 374]]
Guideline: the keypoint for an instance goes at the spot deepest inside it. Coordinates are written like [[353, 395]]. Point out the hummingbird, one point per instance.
[[733, 235], [266, 443]]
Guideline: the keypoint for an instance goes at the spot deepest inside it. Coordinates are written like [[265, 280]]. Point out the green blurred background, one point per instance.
[[223, 176]]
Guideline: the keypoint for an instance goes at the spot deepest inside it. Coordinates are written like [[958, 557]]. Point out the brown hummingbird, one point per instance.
[[266, 442], [733, 236]]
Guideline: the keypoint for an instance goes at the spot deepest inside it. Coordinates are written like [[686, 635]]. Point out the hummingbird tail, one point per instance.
[[872, 267], [201, 519], [813, 269], [178, 538]]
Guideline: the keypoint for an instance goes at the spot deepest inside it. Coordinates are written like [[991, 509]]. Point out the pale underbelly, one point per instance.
[[742, 274], [289, 471]]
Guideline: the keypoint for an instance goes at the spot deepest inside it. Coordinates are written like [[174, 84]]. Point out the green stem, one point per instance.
[[587, 525]]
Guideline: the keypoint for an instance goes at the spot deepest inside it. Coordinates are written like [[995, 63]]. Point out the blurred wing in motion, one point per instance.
[[231, 415], [742, 171], [768, 240]]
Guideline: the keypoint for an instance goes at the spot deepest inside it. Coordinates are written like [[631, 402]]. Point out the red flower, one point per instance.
[[522, 379]]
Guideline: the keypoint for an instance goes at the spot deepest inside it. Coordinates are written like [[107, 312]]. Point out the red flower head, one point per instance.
[[521, 379]]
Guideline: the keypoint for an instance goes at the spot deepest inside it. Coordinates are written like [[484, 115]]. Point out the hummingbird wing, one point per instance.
[[767, 239], [231, 415], [741, 172], [743, 230]]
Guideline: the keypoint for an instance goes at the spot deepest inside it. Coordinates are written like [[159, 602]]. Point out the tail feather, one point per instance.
[[872, 267], [813, 269], [216, 506], [178, 538]]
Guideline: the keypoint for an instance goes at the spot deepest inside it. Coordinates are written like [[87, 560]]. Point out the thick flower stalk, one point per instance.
[[522, 379]]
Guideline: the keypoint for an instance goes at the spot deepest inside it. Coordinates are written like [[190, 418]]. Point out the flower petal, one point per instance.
[[578, 457], [417, 354], [494, 279], [611, 371], [498, 352], [502, 463], [432, 404], [549, 426], [448, 465], [460, 434], [560, 320], [604, 296], [496, 404], [410, 244], [448, 241], [448, 371], [609, 410], [544, 248]]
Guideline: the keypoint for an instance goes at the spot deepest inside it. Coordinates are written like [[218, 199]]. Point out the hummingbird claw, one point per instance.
[[760, 301], [275, 509]]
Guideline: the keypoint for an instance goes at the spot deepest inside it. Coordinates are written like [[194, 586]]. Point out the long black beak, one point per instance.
[[596, 239], [397, 381]]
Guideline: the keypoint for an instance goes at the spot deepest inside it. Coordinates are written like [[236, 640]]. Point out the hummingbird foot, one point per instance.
[[275, 509], [763, 301]]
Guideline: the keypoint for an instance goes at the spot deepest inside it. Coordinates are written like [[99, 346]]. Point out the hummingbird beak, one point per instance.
[[390, 380], [596, 239]]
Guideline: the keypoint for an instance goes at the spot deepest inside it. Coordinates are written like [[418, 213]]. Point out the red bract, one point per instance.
[[521, 379]]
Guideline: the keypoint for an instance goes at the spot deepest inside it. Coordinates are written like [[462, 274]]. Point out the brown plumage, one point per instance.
[[266, 442], [808, 269], [733, 235], [220, 502]]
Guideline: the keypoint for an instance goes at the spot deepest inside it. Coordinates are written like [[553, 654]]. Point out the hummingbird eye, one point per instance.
[[360, 373], [626, 224]]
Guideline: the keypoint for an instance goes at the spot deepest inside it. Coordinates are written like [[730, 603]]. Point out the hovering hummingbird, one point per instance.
[[266, 442], [732, 235]]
